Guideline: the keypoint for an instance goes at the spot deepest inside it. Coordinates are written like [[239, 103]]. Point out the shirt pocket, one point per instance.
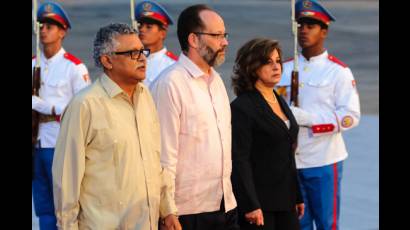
[[106, 145], [319, 83], [319, 90], [58, 86], [196, 124]]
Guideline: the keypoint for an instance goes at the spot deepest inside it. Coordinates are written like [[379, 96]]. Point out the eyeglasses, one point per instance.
[[217, 36], [134, 54]]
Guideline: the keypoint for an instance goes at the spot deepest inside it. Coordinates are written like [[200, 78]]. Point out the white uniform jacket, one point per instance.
[[62, 76], [156, 63], [329, 104]]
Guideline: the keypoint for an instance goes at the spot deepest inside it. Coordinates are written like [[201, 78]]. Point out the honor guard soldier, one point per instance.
[[328, 106], [62, 75], [153, 22]]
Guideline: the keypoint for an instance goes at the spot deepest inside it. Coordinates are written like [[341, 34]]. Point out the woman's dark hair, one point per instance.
[[188, 22], [250, 57]]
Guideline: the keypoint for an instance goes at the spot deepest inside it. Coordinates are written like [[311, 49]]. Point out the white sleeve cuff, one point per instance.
[[302, 117]]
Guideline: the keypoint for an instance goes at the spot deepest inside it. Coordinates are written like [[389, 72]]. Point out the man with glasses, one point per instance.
[[153, 22], [62, 76], [195, 117], [106, 171]]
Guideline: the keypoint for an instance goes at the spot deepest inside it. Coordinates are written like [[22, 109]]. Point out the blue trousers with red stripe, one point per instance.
[[43, 188], [321, 194]]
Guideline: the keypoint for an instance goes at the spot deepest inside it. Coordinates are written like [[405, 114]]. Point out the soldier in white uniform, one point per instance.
[[153, 22], [328, 105], [62, 75]]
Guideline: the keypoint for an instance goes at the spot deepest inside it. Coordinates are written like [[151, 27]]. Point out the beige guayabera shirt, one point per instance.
[[106, 168]]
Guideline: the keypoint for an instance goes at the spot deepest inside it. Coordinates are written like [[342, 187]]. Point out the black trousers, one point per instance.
[[218, 220], [279, 220]]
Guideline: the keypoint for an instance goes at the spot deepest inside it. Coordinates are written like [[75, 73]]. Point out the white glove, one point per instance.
[[40, 105], [302, 117]]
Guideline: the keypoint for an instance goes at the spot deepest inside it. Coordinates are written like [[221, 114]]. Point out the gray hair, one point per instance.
[[105, 42]]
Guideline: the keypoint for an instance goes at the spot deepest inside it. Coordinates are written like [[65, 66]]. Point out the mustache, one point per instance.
[[140, 65]]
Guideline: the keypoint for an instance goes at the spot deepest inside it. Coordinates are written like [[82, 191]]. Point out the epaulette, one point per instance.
[[171, 55], [337, 61], [72, 58], [288, 60]]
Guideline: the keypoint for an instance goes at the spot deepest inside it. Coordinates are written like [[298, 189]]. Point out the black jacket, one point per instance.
[[263, 168]]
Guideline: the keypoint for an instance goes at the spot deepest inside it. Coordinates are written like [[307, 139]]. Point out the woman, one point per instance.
[[264, 134]]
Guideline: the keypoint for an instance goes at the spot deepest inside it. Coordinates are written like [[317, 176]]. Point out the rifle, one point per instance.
[[294, 89], [134, 22], [35, 116]]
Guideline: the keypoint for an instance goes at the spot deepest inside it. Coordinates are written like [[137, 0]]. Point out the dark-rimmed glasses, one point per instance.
[[217, 36], [134, 54]]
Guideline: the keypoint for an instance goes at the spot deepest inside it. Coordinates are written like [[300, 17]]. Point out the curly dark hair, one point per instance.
[[250, 57]]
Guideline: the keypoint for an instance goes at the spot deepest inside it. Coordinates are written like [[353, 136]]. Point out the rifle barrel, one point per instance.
[[134, 22], [295, 74], [38, 45]]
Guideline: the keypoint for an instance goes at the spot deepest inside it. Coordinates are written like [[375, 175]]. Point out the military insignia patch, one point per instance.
[[307, 4], [48, 8], [306, 13], [354, 86], [347, 121], [147, 6], [86, 78], [147, 13]]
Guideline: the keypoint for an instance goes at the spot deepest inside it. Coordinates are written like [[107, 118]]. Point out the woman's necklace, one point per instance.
[[274, 101], [266, 93]]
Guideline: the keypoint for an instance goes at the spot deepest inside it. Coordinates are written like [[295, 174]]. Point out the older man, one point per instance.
[[106, 171], [195, 119]]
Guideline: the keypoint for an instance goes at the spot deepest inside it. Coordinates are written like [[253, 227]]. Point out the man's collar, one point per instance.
[[56, 56], [192, 68], [158, 53], [113, 89], [323, 55], [110, 86]]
